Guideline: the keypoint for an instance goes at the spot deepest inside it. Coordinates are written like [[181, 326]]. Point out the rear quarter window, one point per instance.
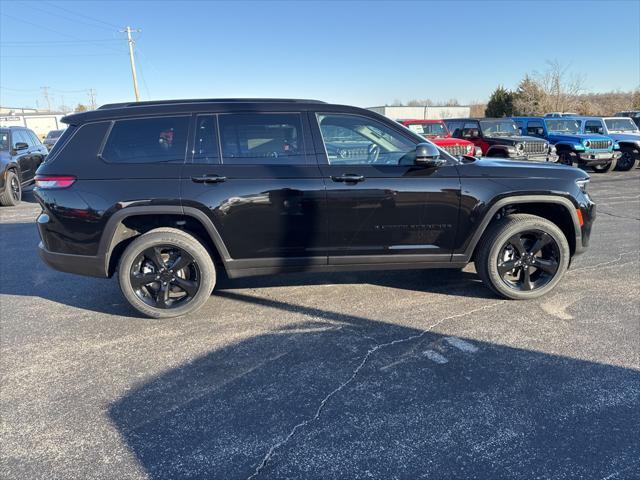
[[147, 140]]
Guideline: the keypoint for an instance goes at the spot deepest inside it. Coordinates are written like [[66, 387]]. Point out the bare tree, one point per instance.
[[560, 87]]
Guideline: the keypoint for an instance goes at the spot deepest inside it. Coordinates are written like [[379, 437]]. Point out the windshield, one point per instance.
[[499, 128], [621, 125], [54, 133], [563, 126], [428, 129], [4, 140]]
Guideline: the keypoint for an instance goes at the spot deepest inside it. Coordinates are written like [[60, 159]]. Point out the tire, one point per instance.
[[565, 158], [492, 246], [607, 167], [139, 263], [627, 161], [13, 190]]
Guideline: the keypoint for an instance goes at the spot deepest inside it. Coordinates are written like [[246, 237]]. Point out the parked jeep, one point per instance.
[[166, 195], [499, 137], [632, 114], [599, 152], [623, 131], [436, 131]]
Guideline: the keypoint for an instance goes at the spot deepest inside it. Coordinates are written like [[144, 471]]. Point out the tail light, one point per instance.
[[49, 182]]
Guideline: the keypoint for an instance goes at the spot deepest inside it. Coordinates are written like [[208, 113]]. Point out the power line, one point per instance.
[[82, 15], [65, 17], [58, 42]]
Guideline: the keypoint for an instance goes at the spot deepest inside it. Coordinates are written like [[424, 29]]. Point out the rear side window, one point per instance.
[[593, 126], [535, 127], [262, 138], [205, 145], [147, 140]]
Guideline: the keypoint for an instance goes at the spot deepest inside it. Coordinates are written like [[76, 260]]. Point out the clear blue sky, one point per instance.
[[360, 53]]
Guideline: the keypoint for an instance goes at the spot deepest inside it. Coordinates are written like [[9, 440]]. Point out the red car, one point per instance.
[[436, 131]]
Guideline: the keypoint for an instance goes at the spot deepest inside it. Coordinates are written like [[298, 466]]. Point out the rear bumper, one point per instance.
[[78, 264]]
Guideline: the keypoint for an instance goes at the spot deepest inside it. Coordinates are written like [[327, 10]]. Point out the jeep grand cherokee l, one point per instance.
[[21, 153], [166, 195]]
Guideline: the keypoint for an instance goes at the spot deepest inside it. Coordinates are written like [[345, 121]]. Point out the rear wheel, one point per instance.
[[12, 190], [607, 167], [627, 161], [522, 256], [166, 273]]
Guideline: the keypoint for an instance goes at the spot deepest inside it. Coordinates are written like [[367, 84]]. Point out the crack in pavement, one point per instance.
[[353, 376], [272, 450], [617, 216]]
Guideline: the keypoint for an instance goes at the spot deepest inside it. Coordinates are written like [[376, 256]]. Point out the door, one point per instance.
[[381, 206], [38, 151], [254, 177], [23, 157]]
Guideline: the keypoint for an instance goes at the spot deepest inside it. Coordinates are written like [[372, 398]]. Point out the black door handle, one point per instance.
[[348, 178], [208, 179]]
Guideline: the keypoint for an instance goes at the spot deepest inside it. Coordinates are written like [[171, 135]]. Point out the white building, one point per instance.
[[40, 122], [422, 113]]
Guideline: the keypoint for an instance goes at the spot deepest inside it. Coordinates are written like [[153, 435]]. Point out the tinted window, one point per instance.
[[205, 146], [455, 127], [356, 140], [35, 141], [535, 127], [593, 126], [19, 136], [4, 140], [271, 138], [147, 140]]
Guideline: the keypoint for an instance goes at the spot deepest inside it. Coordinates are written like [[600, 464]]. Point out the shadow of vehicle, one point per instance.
[[428, 407], [23, 273]]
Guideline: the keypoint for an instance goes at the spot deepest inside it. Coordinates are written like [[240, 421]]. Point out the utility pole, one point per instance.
[[45, 92], [92, 98], [128, 31]]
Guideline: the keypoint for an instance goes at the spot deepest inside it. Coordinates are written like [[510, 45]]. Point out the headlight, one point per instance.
[[520, 146], [478, 152], [582, 184], [587, 143], [616, 146], [512, 150], [469, 148], [552, 149]]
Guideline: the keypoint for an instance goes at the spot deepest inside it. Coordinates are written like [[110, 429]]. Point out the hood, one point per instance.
[[503, 168], [448, 141], [514, 140], [575, 138], [625, 137]]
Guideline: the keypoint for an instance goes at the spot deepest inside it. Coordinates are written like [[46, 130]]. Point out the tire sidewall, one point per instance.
[[10, 200], [174, 238], [500, 240]]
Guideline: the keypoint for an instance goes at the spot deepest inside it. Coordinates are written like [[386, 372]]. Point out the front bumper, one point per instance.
[[599, 158], [538, 158]]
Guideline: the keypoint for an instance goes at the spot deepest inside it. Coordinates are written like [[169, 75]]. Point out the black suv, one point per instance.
[[500, 137], [167, 194], [21, 153]]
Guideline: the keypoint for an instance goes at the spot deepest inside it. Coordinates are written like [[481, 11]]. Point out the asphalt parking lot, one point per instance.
[[359, 375]]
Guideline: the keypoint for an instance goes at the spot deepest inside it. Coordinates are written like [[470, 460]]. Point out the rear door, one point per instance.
[[380, 205], [23, 157], [253, 174]]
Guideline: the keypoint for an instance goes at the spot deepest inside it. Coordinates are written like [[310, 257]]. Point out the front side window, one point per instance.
[[147, 140], [20, 137], [4, 140], [563, 126], [35, 141], [357, 140], [535, 127], [262, 138], [593, 126]]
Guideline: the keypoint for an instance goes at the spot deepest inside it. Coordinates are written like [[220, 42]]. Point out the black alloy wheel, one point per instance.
[[16, 192], [165, 276], [528, 260]]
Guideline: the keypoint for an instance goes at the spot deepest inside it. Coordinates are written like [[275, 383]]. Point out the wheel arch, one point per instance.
[[129, 223], [557, 209]]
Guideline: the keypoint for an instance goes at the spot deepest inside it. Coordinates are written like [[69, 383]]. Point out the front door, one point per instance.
[[381, 206], [254, 176]]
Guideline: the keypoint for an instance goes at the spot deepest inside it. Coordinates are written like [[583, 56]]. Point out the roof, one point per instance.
[[206, 105]]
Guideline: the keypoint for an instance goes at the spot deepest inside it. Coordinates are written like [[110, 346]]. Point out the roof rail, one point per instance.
[[205, 100]]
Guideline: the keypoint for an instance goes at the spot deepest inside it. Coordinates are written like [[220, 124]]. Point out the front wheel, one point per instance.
[[627, 161], [522, 256], [607, 167], [166, 273]]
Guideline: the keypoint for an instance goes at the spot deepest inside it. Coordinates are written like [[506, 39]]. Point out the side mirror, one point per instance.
[[21, 146], [428, 155]]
